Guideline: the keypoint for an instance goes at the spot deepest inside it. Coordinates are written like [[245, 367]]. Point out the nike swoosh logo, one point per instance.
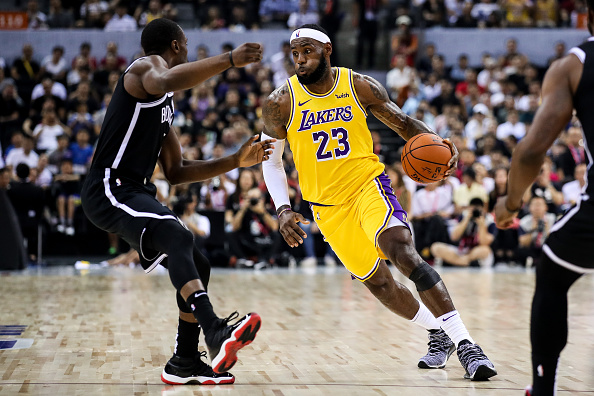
[[449, 317], [302, 103]]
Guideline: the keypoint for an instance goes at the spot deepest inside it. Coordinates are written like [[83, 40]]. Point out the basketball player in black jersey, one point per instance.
[[119, 198], [568, 85]]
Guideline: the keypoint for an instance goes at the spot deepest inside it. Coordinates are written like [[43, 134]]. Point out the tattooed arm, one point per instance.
[[373, 97], [276, 112]]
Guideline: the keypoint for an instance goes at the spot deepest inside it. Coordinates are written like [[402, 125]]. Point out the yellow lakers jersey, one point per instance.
[[330, 140]]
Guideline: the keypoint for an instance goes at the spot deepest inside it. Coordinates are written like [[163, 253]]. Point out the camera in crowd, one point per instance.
[[476, 204], [254, 201], [216, 183]]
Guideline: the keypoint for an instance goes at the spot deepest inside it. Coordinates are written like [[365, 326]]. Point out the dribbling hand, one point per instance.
[[291, 232], [503, 217], [251, 153], [247, 53], [453, 162]]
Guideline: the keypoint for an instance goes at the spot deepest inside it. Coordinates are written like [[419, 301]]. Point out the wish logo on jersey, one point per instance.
[[310, 118], [166, 115]]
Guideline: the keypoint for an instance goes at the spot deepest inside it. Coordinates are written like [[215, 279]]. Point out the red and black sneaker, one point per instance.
[[224, 340], [179, 371]]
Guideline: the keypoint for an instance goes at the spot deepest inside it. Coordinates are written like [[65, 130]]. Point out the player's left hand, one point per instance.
[[252, 153], [503, 217], [453, 162]]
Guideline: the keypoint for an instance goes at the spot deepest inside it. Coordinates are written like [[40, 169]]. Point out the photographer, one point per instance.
[[473, 234], [534, 229], [254, 237]]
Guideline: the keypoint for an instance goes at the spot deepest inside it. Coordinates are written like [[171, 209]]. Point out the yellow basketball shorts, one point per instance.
[[352, 229]]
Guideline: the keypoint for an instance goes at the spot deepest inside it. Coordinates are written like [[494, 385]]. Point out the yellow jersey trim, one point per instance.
[[292, 97], [370, 273], [336, 79], [352, 84]]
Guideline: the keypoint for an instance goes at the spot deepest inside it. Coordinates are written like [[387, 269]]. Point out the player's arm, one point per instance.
[[276, 113], [551, 117], [152, 75], [375, 98], [178, 170]]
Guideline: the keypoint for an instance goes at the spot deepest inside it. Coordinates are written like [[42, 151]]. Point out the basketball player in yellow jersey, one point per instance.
[[322, 112]]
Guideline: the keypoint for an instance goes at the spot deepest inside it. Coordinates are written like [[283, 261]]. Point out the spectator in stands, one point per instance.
[[48, 89], [214, 192], [275, 13], [36, 19], [517, 13], [244, 183], [544, 187], [99, 115], [466, 20], [25, 72], [281, 64], [559, 52], [198, 224], [458, 72], [505, 243], [67, 189], [82, 152], [62, 151], [534, 229], [572, 190], [26, 155], [365, 20], [468, 189], [80, 119], [85, 56], [483, 178], [214, 20], [55, 64], [574, 155], [121, 21], [92, 14], [47, 131], [430, 208], [483, 12], [11, 108], [255, 231], [545, 13], [477, 125], [27, 200], [44, 176], [399, 79], [512, 127], [83, 94], [404, 42], [473, 236], [120, 61], [425, 61], [154, 11], [303, 16], [434, 13], [16, 141], [5, 177], [59, 17]]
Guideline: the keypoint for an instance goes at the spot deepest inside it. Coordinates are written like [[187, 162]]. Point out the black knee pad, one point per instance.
[[424, 277], [181, 304]]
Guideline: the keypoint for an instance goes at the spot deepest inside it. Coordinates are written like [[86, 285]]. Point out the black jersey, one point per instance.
[[132, 133], [583, 101]]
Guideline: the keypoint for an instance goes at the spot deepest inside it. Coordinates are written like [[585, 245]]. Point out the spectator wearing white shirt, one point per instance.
[[512, 126], [24, 155], [198, 224], [121, 21], [477, 125], [399, 78], [47, 131], [573, 190], [303, 17], [55, 64], [48, 84]]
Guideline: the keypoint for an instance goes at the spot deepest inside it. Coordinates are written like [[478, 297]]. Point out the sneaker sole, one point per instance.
[[482, 373], [175, 380], [422, 364], [243, 335]]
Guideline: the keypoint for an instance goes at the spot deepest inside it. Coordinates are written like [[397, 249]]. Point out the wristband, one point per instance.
[[231, 58], [283, 211]]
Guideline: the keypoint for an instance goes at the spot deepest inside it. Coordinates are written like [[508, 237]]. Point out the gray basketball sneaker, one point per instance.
[[440, 350], [477, 365]]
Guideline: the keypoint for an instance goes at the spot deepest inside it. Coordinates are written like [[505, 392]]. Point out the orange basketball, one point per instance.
[[425, 158]]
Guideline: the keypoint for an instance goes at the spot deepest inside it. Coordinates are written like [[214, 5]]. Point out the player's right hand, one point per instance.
[[291, 232], [247, 53]]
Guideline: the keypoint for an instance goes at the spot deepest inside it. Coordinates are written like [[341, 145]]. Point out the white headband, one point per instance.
[[310, 33]]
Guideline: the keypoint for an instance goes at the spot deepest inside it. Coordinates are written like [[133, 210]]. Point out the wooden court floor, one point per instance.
[[110, 332]]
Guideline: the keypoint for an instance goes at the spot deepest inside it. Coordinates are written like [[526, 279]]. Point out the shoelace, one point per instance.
[[436, 343], [470, 352], [231, 317]]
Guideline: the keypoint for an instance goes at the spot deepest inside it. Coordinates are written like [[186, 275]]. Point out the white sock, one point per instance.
[[425, 318], [452, 324]]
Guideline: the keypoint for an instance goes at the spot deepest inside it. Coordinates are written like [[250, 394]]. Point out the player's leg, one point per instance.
[[396, 243], [548, 323], [223, 340]]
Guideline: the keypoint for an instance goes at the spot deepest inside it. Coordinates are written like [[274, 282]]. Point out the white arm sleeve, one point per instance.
[[274, 174]]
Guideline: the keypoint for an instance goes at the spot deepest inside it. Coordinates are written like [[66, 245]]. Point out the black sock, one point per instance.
[[544, 374], [201, 307], [186, 342]]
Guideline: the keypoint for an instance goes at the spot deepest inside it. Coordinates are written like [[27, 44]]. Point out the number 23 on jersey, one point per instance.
[[323, 138]]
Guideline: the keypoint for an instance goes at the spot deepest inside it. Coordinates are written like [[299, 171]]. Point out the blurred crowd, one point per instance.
[[51, 114]]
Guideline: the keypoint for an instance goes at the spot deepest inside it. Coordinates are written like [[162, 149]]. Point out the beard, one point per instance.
[[316, 75]]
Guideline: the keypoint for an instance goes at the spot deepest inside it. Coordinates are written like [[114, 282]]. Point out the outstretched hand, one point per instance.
[[251, 153], [247, 53], [453, 162], [291, 232]]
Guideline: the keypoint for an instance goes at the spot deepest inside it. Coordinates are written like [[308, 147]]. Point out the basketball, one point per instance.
[[425, 158]]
